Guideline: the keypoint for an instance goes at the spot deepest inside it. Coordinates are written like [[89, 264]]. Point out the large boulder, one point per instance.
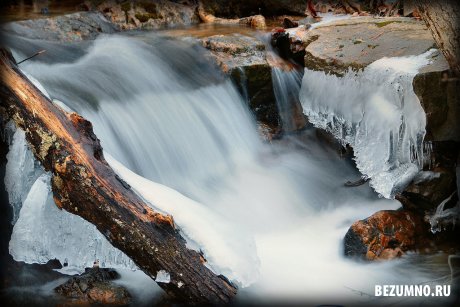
[[385, 235], [354, 43]]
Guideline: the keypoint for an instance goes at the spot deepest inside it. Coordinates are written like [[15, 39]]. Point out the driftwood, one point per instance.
[[84, 184]]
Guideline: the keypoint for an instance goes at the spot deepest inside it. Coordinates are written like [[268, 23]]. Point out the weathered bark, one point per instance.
[[84, 184], [443, 19]]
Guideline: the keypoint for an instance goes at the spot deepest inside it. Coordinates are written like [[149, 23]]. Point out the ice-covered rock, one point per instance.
[[375, 111]]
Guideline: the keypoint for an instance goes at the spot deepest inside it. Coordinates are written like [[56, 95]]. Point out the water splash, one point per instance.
[[441, 217]]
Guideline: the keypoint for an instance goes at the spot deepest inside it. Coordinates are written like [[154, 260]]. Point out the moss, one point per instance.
[[385, 23]]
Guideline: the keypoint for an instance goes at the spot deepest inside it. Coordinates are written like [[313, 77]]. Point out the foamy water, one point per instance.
[[269, 217]]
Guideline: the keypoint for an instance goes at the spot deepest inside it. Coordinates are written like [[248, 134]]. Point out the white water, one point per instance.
[[375, 111], [286, 87], [273, 216]]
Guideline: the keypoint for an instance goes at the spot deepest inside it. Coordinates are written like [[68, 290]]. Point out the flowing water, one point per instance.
[[271, 217]]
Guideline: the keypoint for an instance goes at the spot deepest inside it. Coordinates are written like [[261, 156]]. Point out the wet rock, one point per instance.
[[360, 7], [385, 235], [254, 21], [289, 47], [244, 58], [130, 15], [356, 42], [437, 90], [95, 286], [257, 21], [437, 182], [429, 189], [67, 28], [288, 23]]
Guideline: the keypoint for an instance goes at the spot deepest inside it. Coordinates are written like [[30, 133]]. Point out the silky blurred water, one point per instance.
[[168, 116]]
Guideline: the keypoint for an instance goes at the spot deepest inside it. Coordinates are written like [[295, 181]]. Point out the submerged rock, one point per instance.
[[386, 234], [255, 72], [95, 286]]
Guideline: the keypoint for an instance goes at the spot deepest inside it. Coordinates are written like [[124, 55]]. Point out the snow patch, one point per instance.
[[228, 251]]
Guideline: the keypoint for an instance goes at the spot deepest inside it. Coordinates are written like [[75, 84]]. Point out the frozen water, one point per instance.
[[163, 277], [377, 113], [21, 170], [187, 144], [42, 231]]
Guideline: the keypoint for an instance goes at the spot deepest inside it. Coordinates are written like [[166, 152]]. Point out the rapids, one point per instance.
[[271, 217]]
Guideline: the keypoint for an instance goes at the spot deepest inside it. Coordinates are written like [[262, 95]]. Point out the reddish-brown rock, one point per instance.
[[384, 235]]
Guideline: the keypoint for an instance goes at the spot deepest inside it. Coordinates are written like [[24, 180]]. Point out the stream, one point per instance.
[[269, 216]]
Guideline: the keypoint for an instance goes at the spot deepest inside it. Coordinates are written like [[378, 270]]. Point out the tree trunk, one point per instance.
[[443, 19], [84, 184]]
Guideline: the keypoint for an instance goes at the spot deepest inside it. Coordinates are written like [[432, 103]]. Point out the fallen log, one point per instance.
[[84, 184]]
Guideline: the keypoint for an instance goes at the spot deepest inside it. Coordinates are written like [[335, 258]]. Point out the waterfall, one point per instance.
[[375, 111], [269, 217], [286, 87]]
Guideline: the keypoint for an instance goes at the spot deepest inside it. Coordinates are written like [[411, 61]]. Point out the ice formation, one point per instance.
[[21, 170], [163, 277], [377, 113], [173, 125], [43, 232]]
